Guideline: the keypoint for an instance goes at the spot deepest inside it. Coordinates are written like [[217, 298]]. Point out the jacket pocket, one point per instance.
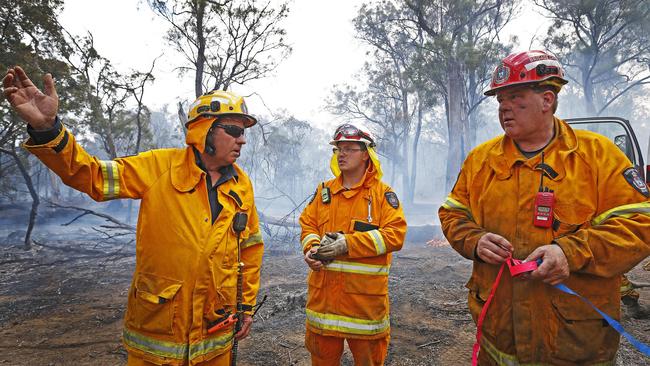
[[365, 284], [227, 289], [476, 299], [154, 303], [362, 226], [567, 219], [582, 334]]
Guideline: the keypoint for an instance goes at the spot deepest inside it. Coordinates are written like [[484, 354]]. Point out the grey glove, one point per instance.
[[332, 248], [328, 239]]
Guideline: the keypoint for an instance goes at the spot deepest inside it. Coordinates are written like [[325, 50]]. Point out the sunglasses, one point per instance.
[[232, 130], [346, 150]]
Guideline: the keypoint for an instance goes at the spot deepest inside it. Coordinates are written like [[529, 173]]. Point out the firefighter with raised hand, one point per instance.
[[185, 280], [349, 230], [544, 191]]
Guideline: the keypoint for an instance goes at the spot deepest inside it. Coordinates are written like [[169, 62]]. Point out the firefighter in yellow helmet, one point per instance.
[[349, 230], [545, 191], [187, 249]]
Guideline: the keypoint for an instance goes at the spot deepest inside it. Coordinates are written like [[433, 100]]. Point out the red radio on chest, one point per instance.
[[544, 204]]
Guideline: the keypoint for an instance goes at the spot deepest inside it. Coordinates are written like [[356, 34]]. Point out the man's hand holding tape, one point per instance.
[[554, 268]]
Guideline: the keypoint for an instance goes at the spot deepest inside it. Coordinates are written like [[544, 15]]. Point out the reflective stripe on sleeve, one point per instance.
[[452, 204], [346, 324], [642, 208], [308, 239], [359, 268], [378, 240], [111, 179], [252, 240]]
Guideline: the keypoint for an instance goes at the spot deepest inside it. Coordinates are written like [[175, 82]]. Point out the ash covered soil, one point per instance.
[[62, 303]]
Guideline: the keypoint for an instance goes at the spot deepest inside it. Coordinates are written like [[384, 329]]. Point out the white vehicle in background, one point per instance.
[[620, 131]]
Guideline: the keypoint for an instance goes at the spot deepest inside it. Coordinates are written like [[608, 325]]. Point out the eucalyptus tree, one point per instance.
[[604, 44], [389, 100], [227, 41], [461, 48], [30, 36], [109, 97]]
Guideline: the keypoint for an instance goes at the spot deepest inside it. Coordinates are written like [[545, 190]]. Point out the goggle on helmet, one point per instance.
[[349, 132]]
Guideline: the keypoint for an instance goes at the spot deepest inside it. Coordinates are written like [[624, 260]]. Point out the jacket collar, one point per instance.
[[369, 177], [186, 171], [504, 155]]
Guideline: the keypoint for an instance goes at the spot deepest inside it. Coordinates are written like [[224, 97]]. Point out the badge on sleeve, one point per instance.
[[391, 197], [633, 177]]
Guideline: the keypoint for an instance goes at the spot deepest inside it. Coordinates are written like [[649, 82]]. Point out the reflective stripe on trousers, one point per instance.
[[505, 359], [178, 351], [345, 324]]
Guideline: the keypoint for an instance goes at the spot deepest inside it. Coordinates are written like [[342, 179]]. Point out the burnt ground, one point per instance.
[[62, 304]]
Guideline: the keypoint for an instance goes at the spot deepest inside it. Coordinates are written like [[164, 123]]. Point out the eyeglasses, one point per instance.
[[232, 130], [351, 132], [345, 150]]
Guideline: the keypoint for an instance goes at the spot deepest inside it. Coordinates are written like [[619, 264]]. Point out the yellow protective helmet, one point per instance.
[[218, 103], [207, 108]]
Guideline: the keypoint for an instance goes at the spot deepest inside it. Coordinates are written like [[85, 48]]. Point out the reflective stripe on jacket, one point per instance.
[[186, 267], [601, 223], [349, 296]]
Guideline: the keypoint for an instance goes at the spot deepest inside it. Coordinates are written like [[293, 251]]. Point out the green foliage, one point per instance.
[[604, 44]]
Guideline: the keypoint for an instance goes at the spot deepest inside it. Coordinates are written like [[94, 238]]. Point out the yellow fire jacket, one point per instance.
[[349, 296], [601, 222], [186, 267]]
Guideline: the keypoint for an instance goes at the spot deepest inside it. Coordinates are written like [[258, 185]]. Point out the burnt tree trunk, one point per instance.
[[414, 154], [457, 122], [32, 191]]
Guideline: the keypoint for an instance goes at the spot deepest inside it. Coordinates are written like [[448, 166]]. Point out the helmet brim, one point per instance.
[[249, 121], [492, 92], [362, 140]]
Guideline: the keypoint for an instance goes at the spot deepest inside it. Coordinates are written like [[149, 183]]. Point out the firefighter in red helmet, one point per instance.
[[597, 229]]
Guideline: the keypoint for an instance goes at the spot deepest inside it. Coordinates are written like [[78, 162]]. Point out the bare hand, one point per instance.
[[246, 323], [36, 108], [554, 268], [314, 264], [493, 248]]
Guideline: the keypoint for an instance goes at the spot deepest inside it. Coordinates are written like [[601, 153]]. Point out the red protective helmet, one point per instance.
[[541, 67]]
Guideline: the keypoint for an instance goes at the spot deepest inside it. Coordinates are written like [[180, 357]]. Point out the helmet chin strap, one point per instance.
[[210, 149]]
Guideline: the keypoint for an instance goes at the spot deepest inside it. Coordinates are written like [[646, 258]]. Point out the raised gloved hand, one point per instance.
[[331, 249]]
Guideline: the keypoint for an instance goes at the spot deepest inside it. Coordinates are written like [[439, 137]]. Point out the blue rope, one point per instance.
[[643, 348]]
